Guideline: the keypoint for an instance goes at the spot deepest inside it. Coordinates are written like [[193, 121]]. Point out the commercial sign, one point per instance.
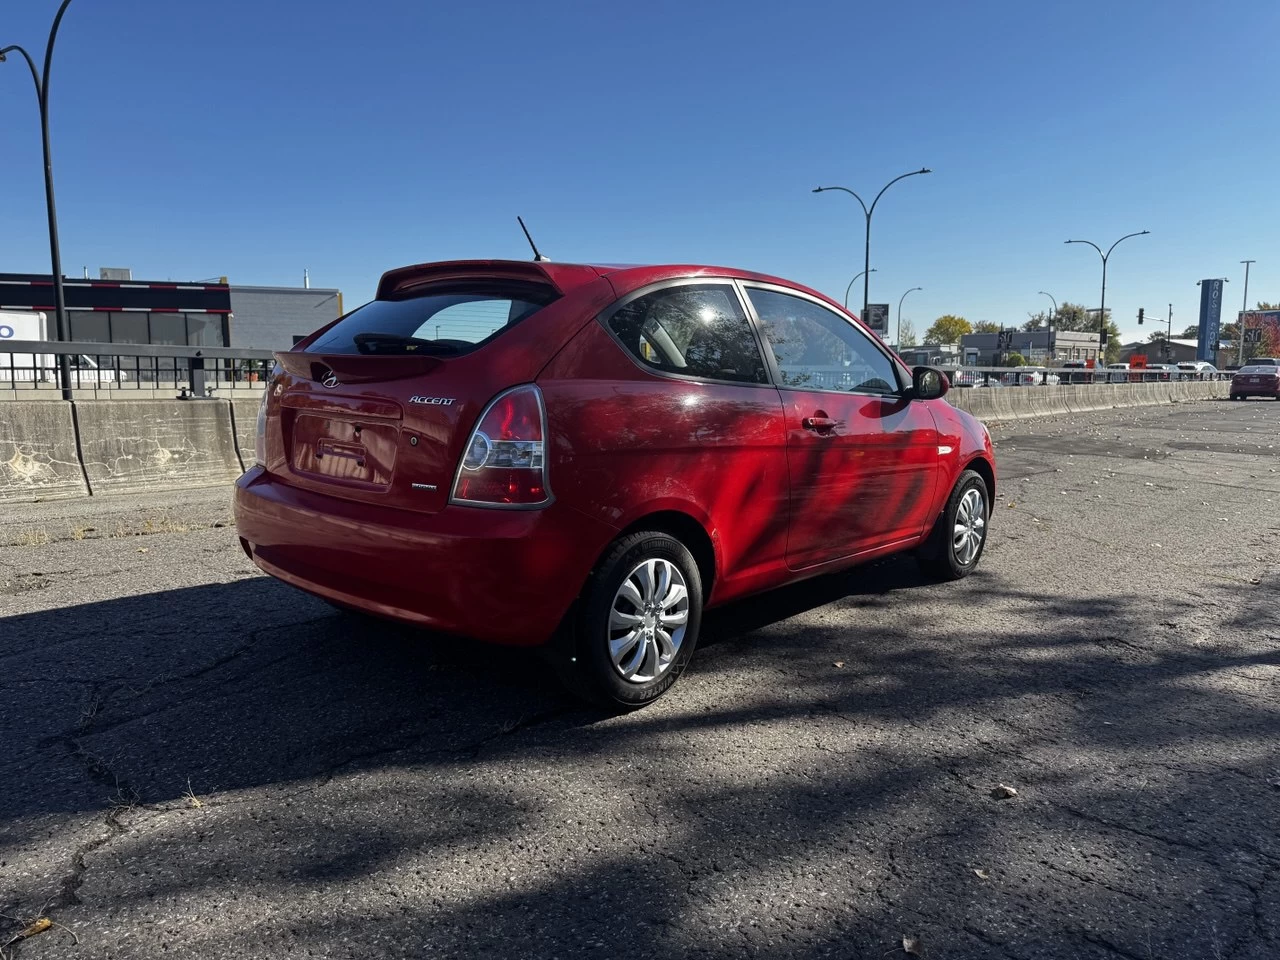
[[877, 317], [1210, 319], [1257, 324]]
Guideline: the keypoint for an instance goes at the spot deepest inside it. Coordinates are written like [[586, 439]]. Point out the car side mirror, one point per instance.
[[928, 383]]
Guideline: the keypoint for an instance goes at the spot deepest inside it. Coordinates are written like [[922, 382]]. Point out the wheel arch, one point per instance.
[[982, 467], [688, 530]]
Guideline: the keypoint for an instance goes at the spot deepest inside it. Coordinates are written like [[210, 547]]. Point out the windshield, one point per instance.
[[445, 320], [1256, 368]]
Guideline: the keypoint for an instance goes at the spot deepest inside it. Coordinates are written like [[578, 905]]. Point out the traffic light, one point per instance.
[[1140, 312]]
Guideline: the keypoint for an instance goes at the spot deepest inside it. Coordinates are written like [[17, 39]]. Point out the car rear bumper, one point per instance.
[[505, 576], [1254, 390]]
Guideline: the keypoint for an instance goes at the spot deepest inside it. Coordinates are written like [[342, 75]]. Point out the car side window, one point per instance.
[[817, 349], [695, 330]]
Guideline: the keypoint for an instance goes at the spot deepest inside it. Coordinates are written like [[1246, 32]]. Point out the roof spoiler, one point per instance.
[[561, 276]]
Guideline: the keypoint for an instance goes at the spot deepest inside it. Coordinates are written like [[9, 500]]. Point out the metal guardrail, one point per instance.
[[194, 371], [969, 376]]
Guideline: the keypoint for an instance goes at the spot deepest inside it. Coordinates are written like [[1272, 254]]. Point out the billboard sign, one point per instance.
[[1210, 319], [877, 318]]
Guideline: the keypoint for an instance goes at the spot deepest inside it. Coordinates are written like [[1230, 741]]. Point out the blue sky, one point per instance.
[[256, 139]]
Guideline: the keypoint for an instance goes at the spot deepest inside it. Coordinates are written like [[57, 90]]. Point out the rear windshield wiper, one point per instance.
[[398, 344]]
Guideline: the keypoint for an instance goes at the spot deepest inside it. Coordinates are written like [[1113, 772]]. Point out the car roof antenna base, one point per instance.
[[537, 257]]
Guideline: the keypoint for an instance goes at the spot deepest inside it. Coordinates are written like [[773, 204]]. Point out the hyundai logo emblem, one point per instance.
[[330, 381]]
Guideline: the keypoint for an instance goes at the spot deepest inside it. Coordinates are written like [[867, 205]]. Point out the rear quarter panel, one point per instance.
[[625, 443]]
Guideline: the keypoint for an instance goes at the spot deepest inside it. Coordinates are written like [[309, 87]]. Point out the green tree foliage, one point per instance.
[[908, 336], [1264, 305], [1191, 333], [1016, 360], [986, 326], [1070, 316], [947, 329]]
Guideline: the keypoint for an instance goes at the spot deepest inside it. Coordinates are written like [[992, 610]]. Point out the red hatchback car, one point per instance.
[[584, 457]]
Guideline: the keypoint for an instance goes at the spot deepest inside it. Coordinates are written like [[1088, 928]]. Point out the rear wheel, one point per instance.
[[638, 623], [959, 535]]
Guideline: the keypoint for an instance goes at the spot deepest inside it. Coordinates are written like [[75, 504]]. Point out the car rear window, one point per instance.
[[1256, 369], [444, 320]]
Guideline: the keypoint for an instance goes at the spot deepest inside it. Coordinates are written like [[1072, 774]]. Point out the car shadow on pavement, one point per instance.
[[827, 765]]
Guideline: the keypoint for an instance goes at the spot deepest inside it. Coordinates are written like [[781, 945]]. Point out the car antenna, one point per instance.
[[537, 257]]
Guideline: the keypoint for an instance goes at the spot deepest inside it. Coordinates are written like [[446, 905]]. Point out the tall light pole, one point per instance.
[[1244, 308], [850, 286], [898, 340], [1102, 303], [41, 80], [868, 211]]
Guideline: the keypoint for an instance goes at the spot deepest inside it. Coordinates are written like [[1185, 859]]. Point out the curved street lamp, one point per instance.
[[868, 211], [55, 254], [850, 286], [1102, 303], [898, 339]]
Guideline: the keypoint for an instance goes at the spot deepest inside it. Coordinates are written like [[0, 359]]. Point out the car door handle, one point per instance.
[[818, 423]]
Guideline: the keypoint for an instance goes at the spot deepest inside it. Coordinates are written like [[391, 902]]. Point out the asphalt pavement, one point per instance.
[[201, 762]]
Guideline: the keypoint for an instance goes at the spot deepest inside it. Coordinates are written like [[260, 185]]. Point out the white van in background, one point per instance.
[[43, 367]]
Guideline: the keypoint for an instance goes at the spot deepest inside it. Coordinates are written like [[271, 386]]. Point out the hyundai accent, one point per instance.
[[584, 458]]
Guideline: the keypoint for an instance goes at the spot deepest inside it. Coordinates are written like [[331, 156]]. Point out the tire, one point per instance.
[[650, 656], [944, 556]]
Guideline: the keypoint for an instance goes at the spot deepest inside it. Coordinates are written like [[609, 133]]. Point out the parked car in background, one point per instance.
[[1197, 370], [1117, 373], [1158, 372], [1075, 371], [1257, 380], [1030, 377], [582, 458]]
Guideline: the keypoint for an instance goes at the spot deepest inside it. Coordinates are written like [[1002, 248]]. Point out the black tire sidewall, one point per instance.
[[946, 556], [602, 681]]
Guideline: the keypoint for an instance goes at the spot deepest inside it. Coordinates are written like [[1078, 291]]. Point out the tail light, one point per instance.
[[504, 463]]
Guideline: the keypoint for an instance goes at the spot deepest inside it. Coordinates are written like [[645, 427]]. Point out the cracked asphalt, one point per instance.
[[201, 762]]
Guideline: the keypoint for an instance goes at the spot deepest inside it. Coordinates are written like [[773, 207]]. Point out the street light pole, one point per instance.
[[868, 211], [850, 286], [1102, 303], [898, 339], [55, 253], [1244, 309]]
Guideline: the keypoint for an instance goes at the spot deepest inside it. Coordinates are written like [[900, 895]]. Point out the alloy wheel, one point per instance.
[[970, 526], [647, 620]]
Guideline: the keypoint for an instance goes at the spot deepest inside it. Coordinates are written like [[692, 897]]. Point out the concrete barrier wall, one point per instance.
[[132, 446], [38, 458]]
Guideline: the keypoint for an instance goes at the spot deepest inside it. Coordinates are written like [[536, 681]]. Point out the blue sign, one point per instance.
[[1210, 319]]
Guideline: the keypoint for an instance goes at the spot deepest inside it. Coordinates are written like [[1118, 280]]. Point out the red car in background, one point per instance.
[[585, 457], [1258, 379]]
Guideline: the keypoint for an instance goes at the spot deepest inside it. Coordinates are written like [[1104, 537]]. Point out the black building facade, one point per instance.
[[111, 311]]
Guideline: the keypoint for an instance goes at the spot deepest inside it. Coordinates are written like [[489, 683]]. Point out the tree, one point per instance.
[[1264, 305], [947, 329], [1016, 359], [1156, 336], [908, 336], [1192, 332], [986, 326]]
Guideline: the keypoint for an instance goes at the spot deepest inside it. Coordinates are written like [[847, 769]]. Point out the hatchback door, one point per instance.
[[377, 406], [863, 460]]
